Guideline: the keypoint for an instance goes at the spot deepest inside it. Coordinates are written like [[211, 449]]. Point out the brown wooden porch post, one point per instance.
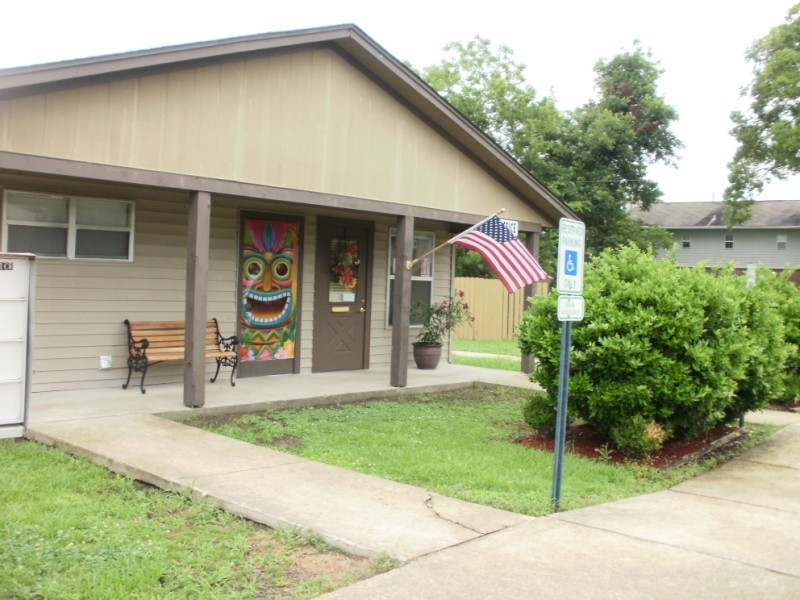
[[401, 301], [194, 376], [532, 244]]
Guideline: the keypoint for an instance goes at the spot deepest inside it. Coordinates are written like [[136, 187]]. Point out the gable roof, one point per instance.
[[701, 215], [347, 39]]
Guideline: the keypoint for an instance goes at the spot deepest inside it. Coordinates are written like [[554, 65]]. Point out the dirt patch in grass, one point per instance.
[[287, 442], [330, 569], [584, 440]]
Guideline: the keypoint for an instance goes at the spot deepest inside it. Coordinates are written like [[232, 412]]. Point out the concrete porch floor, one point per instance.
[[256, 393]]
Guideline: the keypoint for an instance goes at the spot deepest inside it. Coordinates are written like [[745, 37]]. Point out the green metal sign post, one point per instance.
[[569, 283]]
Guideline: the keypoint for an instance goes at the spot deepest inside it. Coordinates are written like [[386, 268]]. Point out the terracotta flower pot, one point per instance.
[[427, 355]]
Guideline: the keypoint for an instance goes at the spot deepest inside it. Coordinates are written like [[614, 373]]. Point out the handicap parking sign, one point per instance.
[[571, 262], [571, 243]]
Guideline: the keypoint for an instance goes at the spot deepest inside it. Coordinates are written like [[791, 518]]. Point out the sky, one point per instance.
[[699, 44]]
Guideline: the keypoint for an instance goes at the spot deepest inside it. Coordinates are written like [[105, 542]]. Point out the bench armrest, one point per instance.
[[229, 344], [136, 347], [226, 344]]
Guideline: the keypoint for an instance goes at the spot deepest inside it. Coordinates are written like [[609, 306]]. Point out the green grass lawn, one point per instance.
[[460, 444], [72, 529], [502, 347], [507, 354]]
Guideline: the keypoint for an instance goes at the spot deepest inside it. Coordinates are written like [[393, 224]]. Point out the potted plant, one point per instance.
[[437, 321]]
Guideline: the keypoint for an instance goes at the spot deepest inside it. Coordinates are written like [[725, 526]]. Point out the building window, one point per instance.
[[69, 227], [686, 241], [729, 240], [421, 273], [781, 242]]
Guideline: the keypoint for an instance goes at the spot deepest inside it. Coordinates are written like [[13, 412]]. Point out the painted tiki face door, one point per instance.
[[269, 297], [341, 312]]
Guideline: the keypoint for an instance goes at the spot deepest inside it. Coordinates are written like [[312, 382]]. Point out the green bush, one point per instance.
[[540, 411], [660, 344], [636, 437], [766, 353], [785, 297]]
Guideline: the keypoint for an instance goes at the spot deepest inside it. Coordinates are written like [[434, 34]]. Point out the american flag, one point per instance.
[[513, 264]]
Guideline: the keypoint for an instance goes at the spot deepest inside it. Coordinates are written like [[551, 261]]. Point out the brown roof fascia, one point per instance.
[[27, 165], [351, 40]]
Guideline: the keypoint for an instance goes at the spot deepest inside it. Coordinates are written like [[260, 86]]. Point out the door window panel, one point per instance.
[[344, 277]]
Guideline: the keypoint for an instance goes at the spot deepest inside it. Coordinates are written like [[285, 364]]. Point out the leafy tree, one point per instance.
[[768, 135], [594, 157], [471, 264], [615, 139], [489, 88]]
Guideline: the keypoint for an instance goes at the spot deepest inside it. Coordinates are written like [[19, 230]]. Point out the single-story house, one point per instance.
[[275, 182], [771, 237]]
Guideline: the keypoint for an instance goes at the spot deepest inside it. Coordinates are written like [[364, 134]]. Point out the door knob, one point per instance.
[[362, 310]]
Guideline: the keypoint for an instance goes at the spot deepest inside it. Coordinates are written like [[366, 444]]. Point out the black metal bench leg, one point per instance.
[[233, 371], [127, 381], [214, 378], [144, 372]]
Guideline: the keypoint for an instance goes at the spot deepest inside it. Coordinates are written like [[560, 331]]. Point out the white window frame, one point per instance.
[[728, 241], [72, 226], [686, 240], [781, 241], [422, 271]]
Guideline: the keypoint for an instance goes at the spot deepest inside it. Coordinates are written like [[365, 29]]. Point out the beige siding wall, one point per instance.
[[81, 305], [307, 120], [380, 352]]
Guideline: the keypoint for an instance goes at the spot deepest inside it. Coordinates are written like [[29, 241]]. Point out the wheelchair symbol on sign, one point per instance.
[[571, 262]]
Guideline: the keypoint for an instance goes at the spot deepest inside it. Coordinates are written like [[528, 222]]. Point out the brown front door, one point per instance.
[[341, 312]]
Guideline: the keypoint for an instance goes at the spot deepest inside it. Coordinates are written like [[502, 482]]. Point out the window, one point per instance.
[[686, 241], [421, 273], [781, 242], [729, 240], [67, 226]]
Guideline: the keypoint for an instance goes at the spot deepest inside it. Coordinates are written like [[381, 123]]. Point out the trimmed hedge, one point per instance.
[[663, 348]]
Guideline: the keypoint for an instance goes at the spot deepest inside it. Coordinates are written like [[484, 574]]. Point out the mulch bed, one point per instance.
[[585, 441]]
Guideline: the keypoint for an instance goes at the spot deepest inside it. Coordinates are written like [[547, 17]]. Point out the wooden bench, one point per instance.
[[151, 342]]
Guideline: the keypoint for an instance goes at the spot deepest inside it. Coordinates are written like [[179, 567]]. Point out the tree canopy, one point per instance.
[[594, 157], [768, 134]]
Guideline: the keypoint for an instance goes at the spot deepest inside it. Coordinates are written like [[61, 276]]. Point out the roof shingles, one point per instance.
[[691, 215]]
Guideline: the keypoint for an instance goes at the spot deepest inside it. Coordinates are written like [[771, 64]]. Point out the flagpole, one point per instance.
[[410, 263]]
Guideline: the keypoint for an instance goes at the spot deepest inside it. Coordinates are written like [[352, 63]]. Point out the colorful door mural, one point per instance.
[[269, 294], [341, 289]]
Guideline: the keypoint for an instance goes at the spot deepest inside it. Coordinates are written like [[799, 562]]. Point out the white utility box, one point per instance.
[[17, 277]]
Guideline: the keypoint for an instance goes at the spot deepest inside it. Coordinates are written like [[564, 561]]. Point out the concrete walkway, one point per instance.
[[731, 533]]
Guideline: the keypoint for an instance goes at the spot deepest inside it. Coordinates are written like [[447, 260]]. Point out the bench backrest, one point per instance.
[[163, 335]]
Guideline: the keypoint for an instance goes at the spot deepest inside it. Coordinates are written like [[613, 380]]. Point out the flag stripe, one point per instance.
[[513, 264], [499, 262]]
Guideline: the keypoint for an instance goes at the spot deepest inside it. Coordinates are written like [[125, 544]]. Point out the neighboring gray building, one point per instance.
[[771, 237]]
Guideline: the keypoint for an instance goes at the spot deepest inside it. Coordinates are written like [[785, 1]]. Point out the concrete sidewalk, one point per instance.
[[733, 532]]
